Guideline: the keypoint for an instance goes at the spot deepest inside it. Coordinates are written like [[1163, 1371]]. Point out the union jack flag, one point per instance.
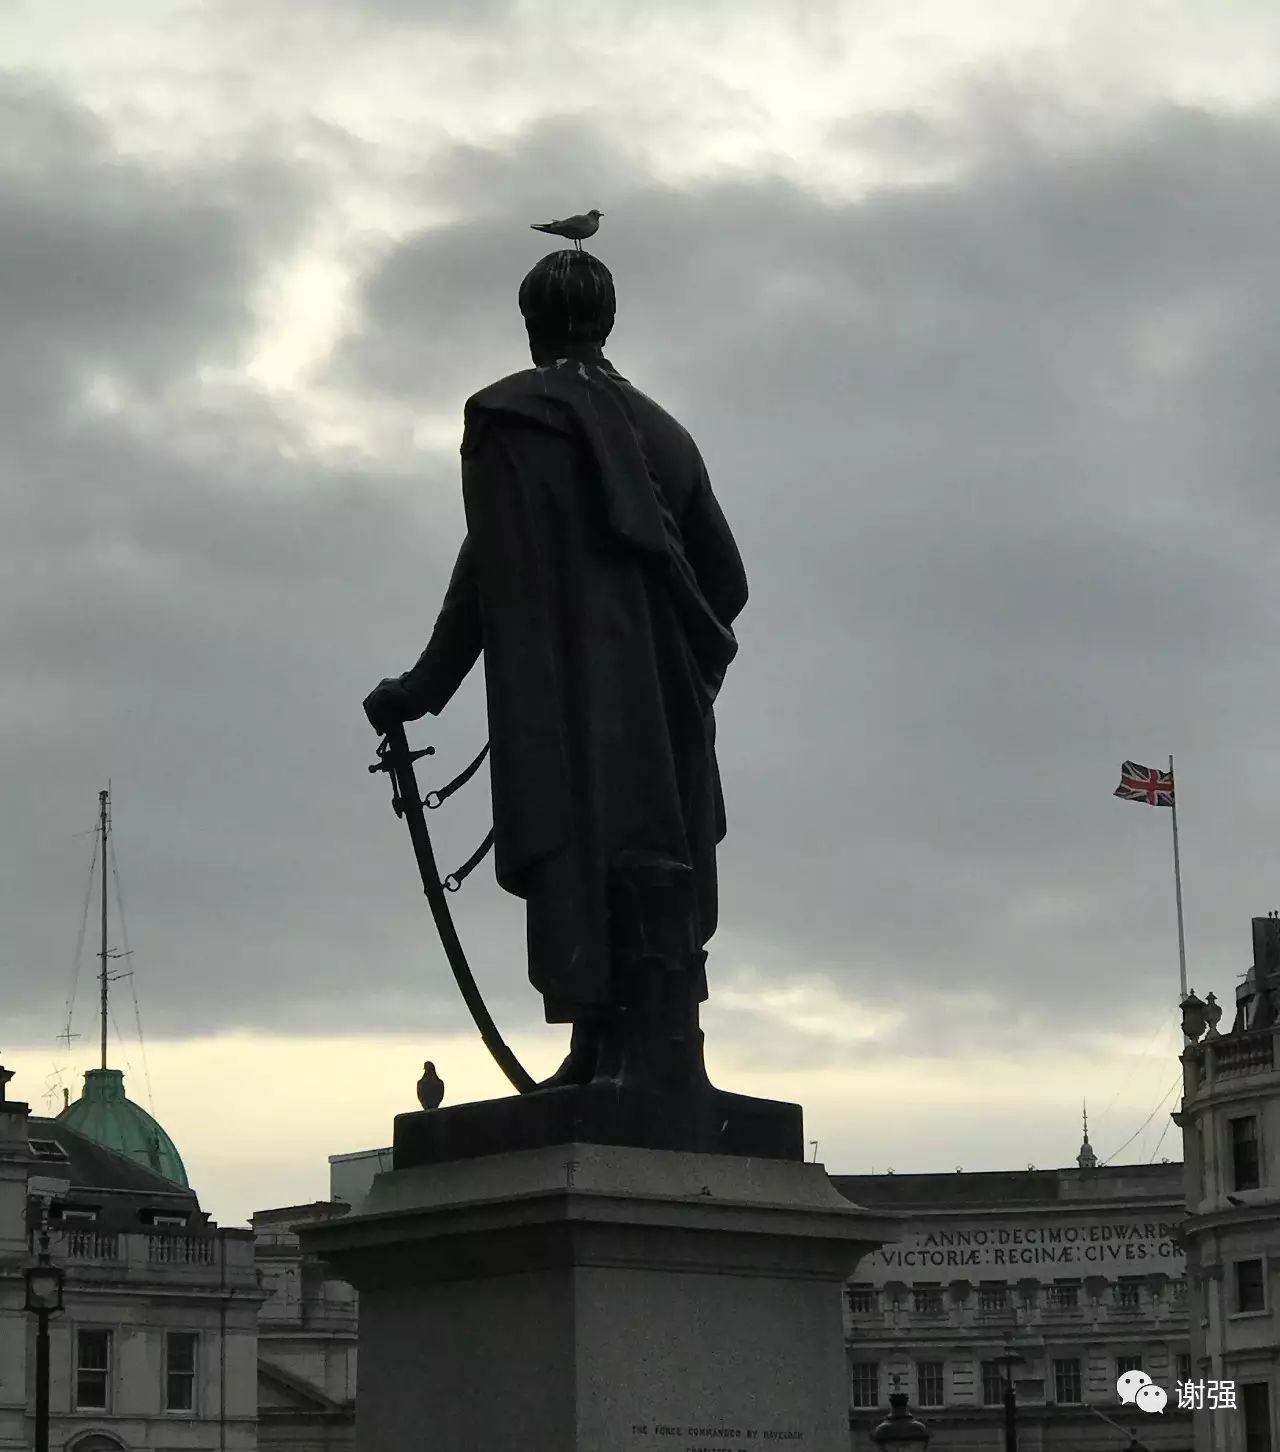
[[1145, 784]]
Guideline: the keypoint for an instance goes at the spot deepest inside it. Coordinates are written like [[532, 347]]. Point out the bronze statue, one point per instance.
[[600, 580]]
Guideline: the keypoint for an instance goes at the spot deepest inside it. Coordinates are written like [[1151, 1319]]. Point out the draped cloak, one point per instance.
[[601, 581]]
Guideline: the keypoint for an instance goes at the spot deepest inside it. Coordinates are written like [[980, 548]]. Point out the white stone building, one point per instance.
[[1230, 1120], [156, 1347], [306, 1339], [1079, 1272], [307, 1329]]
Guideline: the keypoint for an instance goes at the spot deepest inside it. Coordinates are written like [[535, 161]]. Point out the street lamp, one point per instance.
[[1009, 1358], [44, 1298]]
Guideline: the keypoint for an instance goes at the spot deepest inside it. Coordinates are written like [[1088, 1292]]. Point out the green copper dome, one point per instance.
[[102, 1113]]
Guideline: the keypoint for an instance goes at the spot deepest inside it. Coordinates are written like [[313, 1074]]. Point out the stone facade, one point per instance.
[[156, 1347], [1080, 1272], [306, 1339], [1230, 1120]]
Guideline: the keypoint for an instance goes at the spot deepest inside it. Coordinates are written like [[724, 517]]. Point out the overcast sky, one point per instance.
[[971, 308]]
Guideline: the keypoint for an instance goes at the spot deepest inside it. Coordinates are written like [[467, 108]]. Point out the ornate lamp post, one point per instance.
[[1009, 1358], [44, 1298], [1194, 1018]]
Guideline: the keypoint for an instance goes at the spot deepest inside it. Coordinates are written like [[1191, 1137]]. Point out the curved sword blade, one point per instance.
[[397, 760]]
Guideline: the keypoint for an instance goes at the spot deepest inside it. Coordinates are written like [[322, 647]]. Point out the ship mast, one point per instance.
[[102, 816]]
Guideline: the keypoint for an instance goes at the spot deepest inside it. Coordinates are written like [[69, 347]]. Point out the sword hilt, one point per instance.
[[382, 764]]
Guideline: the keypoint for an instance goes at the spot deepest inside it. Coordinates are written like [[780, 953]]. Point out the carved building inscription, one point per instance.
[[1099, 1246]]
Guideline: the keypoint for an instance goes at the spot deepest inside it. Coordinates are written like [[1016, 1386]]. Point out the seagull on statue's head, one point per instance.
[[576, 229]]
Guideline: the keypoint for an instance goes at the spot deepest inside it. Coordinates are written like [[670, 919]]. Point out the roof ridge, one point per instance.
[[292, 1381]]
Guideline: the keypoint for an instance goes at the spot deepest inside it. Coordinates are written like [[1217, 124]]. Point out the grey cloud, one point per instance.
[[453, 16], [996, 548], [998, 542], [108, 265]]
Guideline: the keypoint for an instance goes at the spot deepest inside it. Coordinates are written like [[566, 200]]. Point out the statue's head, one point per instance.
[[567, 299]]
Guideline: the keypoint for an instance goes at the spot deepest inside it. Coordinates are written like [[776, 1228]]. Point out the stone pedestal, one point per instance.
[[601, 1298], [701, 1121]]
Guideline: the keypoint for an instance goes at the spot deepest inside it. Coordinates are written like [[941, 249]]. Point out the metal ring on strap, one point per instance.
[[395, 758], [433, 799], [455, 879]]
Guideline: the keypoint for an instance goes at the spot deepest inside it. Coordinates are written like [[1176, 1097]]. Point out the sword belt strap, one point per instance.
[[433, 799], [456, 878]]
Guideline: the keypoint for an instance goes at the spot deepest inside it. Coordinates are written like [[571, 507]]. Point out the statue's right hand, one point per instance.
[[387, 704]]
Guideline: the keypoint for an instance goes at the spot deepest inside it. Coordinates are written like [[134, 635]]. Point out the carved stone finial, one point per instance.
[[1212, 1013]]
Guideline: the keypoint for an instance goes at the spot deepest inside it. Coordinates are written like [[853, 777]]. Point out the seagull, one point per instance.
[[430, 1087], [574, 228]]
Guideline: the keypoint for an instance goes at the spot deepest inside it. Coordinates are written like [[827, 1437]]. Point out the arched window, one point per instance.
[[97, 1442]]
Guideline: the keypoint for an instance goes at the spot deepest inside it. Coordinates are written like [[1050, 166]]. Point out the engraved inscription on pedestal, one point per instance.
[[660, 1436]]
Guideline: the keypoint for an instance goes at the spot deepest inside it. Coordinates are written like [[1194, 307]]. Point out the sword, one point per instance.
[[395, 758]]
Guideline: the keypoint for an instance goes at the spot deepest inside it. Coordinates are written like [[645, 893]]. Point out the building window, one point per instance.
[[992, 1299], [1184, 1366], [82, 1214], [1178, 1292], [927, 1300], [866, 1384], [1249, 1291], [1255, 1403], [1066, 1380], [47, 1149], [929, 1383], [180, 1371], [992, 1383], [1062, 1296], [1245, 1161], [93, 1370], [862, 1300], [1127, 1363], [1127, 1296]]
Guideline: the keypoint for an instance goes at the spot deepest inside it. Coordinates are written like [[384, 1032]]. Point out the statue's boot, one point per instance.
[[652, 1041], [584, 1052]]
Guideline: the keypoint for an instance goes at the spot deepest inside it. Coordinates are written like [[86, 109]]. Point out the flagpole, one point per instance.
[[1177, 884]]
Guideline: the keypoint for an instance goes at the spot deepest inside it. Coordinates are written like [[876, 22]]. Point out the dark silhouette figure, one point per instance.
[[601, 581], [430, 1087]]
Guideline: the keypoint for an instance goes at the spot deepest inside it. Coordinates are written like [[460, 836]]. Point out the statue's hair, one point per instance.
[[568, 298]]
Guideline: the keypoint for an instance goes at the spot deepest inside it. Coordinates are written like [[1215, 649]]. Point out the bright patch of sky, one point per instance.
[[829, 96]]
